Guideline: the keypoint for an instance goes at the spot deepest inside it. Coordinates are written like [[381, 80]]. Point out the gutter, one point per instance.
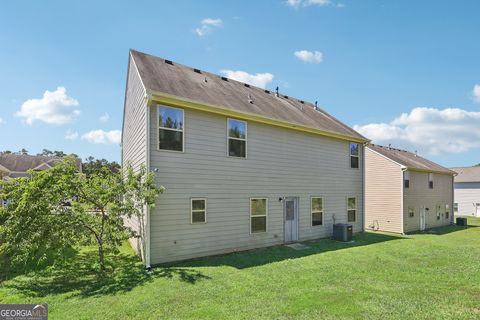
[[402, 202]]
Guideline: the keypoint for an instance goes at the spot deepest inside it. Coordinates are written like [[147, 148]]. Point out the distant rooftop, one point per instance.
[[165, 76], [18, 164], [409, 159], [467, 174]]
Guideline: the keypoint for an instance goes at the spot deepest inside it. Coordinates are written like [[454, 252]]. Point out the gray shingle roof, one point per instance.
[[409, 159], [467, 174], [184, 82]]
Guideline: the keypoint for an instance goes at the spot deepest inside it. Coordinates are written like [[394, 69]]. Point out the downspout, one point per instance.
[[363, 186], [147, 168], [402, 202], [452, 212]]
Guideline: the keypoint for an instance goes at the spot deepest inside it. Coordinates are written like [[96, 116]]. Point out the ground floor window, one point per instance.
[[258, 215], [439, 208], [316, 206], [455, 207], [352, 209], [447, 211], [411, 212], [198, 210]]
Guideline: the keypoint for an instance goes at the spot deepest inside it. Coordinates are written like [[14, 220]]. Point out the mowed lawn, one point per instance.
[[423, 276]]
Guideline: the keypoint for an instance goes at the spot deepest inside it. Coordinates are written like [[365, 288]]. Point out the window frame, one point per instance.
[[406, 182], [439, 212], [197, 210], [455, 207], [350, 155], [411, 212], [356, 208], [240, 139], [430, 182], [447, 211], [312, 212], [266, 214], [158, 128]]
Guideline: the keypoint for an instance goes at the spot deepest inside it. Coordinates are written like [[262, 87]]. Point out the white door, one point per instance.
[[422, 219], [290, 208]]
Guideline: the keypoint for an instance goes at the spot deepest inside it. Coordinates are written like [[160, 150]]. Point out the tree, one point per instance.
[[56, 210], [23, 151], [92, 165]]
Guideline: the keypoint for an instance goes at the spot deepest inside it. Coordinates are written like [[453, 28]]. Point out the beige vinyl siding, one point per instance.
[[419, 195], [383, 187], [280, 163], [134, 144], [467, 194]]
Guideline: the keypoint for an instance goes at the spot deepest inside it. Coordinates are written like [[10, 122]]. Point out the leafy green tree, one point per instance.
[[91, 166], [56, 210]]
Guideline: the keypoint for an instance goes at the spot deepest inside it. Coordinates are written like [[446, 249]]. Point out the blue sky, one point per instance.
[[401, 72]]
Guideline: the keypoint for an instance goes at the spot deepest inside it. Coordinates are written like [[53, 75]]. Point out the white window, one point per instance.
[[170, 128], [316, 206], [352, 209], [354, 155], [447, 211], [439, 209], [430, 180], [258, 215], [198, 210], [411, 212], [455, 207], [406, 179], [237, 138]]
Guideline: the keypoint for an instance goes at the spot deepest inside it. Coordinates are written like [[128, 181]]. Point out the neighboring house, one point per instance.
[[467, 191], [405, 192], [243, 167], [16, 165]]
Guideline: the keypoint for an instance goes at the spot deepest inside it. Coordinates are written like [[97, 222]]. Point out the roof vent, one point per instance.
[[168, 62], [276, 93], [301, 101], [197, 70], [246, 85], [286, 97], [205, 80], [224, 78], [250, 100], [267, 91]]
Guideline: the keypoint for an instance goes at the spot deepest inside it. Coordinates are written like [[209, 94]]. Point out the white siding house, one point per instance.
[[405, 192], [243, 167], [467, 191]]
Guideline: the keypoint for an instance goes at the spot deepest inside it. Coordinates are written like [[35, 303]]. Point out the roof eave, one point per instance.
[[160, 97], [432, 171]]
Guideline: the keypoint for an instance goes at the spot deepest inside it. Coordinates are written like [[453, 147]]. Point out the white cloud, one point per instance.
[[309, 56], [103, 137], [428, 130], [71, 135], [104, 117], [476, 93], [207, 25], [53, 108], [2, 121], [307, 3], [259, 80]]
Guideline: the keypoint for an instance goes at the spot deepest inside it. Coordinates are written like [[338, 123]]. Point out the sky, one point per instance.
[[405, 73]]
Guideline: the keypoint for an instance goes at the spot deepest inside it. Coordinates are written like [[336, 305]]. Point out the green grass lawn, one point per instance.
[[379, 276]]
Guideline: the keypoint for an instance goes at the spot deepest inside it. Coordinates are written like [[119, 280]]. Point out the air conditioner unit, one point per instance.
[[342, 232], [462, 222]]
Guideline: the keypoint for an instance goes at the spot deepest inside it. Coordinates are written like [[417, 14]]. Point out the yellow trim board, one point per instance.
[[190, 104]]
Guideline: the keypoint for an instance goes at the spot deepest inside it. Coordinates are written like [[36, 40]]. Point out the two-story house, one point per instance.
[[467, 191], [405, 192], [243, 167]]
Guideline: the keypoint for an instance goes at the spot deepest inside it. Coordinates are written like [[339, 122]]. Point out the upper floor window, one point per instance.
[[354, 155], [406, 179], [237, 138], [170, 128], [430, 180], [352, 209]]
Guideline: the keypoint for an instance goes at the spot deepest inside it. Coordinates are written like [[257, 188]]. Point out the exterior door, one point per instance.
[[422, 219], [290, 213]]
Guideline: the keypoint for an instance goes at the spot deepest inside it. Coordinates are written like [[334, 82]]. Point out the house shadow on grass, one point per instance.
[[79, 277], [258, 257], [442, 230]]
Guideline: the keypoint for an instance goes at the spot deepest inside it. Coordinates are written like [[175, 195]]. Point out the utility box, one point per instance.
[[342, 232], [462, 222]]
